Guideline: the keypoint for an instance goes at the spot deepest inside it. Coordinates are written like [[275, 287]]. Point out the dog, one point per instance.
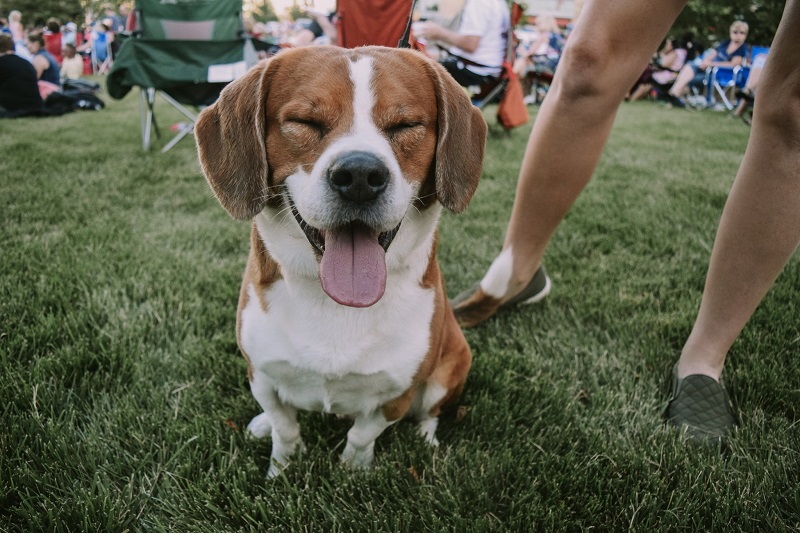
[[344, 159]]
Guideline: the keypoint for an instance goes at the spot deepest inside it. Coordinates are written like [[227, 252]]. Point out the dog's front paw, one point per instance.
[[259, 427], [359, 458], [282, 452], [427, 428]]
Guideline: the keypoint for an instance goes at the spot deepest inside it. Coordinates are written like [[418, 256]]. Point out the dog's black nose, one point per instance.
[[358, 176]]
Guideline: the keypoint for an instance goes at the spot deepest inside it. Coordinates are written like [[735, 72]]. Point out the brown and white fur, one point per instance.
[[323, 144]]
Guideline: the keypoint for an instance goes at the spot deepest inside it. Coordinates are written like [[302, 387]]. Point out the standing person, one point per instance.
[[18, 34], [52, 39], [478, 48], [760, 224], [69, 35], [46, 66], [15, 26], [19, 90]]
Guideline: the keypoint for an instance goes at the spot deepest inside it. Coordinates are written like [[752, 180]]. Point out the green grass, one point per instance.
[[123, 395]]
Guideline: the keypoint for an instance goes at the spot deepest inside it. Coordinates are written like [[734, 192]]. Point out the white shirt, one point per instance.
[[490, 20], [72, 68]]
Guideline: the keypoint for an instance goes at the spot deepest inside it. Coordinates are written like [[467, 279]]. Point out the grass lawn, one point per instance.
[[123, 395]]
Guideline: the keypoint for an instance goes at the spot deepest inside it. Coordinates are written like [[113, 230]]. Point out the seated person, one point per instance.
[[662, 71], [320, 28], [728, 53], [747, 94], [19, 89], [541, 56], [72, 65], [46, 66], [477, 50]]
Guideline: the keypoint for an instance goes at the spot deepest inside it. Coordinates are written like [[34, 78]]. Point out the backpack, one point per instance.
[[76, 94]]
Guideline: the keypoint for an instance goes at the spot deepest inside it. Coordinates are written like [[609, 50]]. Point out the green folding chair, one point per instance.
[[183, 51]]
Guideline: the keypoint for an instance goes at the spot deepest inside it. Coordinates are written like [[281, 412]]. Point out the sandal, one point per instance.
[[473, 306], [700, 406]]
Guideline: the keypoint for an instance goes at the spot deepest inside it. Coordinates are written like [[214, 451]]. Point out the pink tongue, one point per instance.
[[353, 267]]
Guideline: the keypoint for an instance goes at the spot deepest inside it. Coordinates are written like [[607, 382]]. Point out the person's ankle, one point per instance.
[[520, 279], [689, 367]]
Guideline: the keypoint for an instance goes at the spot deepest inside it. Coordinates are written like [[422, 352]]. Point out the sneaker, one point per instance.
[[700, 406], [529, 100], [473, 306], [696, 101]]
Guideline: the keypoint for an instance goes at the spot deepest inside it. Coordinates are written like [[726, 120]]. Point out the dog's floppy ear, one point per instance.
[[460, 144], [231, 143]]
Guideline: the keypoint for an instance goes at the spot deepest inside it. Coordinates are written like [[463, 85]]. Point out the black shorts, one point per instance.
[[462, 75]]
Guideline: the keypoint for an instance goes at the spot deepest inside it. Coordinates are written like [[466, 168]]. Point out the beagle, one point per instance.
[[343, 160]]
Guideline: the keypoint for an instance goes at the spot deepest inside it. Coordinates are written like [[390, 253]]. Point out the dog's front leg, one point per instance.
[[360, 448], [285, 428]]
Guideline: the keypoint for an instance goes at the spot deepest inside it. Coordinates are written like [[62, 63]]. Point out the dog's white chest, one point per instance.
[[321, 356]]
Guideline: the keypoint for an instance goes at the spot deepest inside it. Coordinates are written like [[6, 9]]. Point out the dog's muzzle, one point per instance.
[[352, 250]]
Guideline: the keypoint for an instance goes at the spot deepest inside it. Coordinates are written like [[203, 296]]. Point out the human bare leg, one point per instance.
[[758, 232], [605, 54], [681, 85], [760, 225]]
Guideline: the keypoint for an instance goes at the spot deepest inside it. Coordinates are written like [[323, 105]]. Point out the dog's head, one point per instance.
[[348, 142]]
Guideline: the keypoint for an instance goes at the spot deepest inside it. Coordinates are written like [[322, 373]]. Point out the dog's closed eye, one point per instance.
[[405, 135], [402, 127], [298, 123]]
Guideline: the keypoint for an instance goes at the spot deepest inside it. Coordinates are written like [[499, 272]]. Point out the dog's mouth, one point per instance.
[[352, 259]]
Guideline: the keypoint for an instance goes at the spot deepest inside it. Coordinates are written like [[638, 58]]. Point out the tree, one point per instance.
[[36, 12], [710, 20], [260, 10], [296, 12]]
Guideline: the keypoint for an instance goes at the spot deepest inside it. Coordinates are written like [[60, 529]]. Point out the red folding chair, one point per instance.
[[371, 22]]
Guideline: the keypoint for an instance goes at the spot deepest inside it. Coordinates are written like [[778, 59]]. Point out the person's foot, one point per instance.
[[675, 101], [746, 94], [700, 407], [474, 306]]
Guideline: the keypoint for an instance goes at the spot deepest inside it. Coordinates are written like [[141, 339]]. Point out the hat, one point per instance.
[[71, 26]]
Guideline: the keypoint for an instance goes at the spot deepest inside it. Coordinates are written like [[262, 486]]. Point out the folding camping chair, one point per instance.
[[723, 82], [101, 55], [184, 51], [721, 85], [356, 22], [744, 73]]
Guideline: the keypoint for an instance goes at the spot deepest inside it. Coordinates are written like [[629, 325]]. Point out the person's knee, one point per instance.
[[778, 106], [783, 117], [584, 70]]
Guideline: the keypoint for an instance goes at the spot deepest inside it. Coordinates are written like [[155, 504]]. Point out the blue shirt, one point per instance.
[[53, 72], [722, 52]]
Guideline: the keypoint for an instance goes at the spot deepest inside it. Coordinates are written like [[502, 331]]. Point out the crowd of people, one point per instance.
[[677, 75], [51, 56], [473, 51]]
